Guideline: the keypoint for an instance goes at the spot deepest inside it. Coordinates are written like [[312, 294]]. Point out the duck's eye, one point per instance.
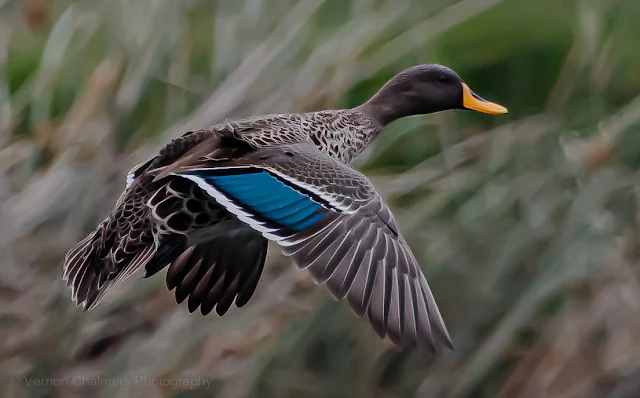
[[443, 79]]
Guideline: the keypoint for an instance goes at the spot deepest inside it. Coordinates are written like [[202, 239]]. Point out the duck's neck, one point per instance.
[[394, 101], [381, 112]]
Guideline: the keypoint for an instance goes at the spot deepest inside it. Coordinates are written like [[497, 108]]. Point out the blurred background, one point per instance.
[[527, 225]]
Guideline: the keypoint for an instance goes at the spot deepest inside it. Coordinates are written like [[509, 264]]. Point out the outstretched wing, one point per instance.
[[152, 225], [331, 221]]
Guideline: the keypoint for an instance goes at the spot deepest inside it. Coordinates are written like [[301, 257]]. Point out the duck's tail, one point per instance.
[[122, 244]]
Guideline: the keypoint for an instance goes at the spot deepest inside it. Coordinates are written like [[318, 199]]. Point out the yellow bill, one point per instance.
[[474, 102]]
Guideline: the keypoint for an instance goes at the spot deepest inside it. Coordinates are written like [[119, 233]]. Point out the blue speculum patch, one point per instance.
[[265, 195]]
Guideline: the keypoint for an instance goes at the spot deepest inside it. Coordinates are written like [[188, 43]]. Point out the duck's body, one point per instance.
[[207, 204]]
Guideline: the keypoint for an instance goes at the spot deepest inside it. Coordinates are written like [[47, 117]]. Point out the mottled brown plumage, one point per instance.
[[207, 203]]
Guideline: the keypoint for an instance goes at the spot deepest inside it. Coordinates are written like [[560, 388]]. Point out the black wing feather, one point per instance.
[[215, 273]]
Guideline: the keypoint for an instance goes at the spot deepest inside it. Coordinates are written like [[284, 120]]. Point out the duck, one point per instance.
[[207, 204]]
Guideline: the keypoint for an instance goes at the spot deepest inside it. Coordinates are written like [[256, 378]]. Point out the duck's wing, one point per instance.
[[153, 224], [214, 260], [330, 220]]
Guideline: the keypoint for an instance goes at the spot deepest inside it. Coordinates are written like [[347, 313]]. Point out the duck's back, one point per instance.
[[341, 134]]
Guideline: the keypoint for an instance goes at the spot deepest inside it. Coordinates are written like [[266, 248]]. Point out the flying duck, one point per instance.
[[207, 204]]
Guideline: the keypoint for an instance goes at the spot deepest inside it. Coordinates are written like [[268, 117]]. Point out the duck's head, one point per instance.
[[425, 89]]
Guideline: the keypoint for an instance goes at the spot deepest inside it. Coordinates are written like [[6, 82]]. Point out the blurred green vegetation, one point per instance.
[[526, 225]]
